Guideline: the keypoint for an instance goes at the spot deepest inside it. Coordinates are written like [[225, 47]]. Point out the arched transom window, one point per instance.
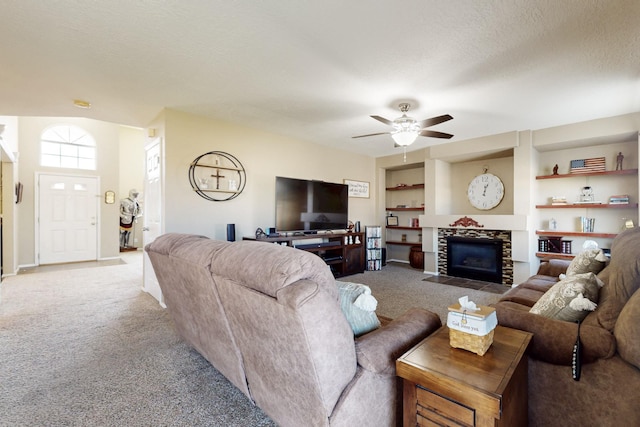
[[67, 146]]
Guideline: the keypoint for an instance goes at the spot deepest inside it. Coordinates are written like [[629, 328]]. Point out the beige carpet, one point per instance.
[[398, 287], [86, 347]]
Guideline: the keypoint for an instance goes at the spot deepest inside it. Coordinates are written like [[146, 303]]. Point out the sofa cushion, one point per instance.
[[621, 278], [587, 261], [553, 339], [627, 331], [358, 306], [570, 299]]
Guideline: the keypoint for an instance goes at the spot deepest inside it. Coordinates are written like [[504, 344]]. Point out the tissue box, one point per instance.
[[471, 330]]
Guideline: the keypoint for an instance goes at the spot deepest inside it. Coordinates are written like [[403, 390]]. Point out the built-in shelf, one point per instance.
[[405, 187], [405, 209], [590, 206], [575, 175], [554, 255], [574, 234], [400, 227], [395, 242]]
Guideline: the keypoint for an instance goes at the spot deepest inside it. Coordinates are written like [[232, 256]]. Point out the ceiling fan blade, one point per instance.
[[371, 134], [434, 134], [435, 120], [383, 120]]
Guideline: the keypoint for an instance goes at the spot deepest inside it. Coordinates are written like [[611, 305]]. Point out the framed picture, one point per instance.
[[19, 189], [357, 188], [392, 220]]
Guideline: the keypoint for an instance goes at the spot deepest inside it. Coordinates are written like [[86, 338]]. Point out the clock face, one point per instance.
[[485, 191]]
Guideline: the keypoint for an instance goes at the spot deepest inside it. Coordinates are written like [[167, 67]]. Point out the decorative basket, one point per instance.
[[473, 343], [471, 330]]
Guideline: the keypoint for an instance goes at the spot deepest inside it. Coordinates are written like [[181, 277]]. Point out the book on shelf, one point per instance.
[[622, 199], [587, 224], [558, 200]]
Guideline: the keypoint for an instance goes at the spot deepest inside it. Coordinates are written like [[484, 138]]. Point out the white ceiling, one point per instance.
[[317, 70]]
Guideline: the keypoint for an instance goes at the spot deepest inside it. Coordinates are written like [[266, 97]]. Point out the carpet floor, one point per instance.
[[86, 347]]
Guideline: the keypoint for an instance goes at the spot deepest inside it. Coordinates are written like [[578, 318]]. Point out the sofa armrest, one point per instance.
[[553, 267], [378, 350], [553, 339]]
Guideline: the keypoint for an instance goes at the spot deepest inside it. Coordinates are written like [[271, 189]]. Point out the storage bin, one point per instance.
[[471, 330]]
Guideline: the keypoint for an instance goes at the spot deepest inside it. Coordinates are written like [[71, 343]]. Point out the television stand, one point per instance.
[[343, 252]]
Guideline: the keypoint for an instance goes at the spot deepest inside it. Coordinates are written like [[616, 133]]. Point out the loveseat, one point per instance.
[[607, 391], [268, 318]]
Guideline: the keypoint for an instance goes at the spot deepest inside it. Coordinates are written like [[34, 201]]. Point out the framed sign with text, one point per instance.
[[357, 188]]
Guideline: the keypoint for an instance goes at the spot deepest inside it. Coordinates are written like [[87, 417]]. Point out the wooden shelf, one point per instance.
[[590, 206], [401, 227], [395, 242], [406, 187], [226, 168], [575, 234], [574, 175], [554, 255], [406, 209]]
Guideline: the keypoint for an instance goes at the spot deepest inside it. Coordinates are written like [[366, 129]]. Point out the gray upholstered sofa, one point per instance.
[[268, 318], [609, 385]]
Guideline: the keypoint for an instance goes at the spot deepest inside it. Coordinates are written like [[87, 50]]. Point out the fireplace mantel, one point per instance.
[[487, 222]]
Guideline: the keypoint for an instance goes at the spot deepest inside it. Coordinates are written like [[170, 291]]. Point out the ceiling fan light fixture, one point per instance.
[[404, 137]]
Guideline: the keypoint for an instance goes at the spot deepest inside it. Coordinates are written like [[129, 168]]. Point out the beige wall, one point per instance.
[[106, 136], [131, 159], [264, 156]]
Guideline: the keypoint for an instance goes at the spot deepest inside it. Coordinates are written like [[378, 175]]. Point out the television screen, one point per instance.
[[304, 205]]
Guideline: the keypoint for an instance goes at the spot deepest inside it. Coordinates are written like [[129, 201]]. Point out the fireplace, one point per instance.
[[471, 258]]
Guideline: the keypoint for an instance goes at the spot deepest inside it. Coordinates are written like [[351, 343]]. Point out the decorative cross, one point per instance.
[[217, 176]]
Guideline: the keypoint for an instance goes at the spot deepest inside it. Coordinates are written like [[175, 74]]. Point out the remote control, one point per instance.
[[576, 362]]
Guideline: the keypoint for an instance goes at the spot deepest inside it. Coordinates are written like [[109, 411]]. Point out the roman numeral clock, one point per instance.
[[485, 191]]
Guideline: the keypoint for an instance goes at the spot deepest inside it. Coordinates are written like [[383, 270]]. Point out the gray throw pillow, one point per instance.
[[358, 306], [587, 261], [570, 299]]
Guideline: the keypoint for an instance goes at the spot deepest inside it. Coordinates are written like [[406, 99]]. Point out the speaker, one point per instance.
[[357, 227], [384, 256], [231, 232]]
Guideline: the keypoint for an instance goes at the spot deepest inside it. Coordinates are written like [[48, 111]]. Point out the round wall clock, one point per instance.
[[485, 191]]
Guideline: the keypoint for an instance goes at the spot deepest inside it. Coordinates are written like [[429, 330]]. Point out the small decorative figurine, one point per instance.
[[619, 159], [555, 169]]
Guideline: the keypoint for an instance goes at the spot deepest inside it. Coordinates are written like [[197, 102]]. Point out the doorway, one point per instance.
[[67, 218]]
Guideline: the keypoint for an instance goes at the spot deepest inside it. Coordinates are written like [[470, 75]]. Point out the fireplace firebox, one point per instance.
[[479, 259]]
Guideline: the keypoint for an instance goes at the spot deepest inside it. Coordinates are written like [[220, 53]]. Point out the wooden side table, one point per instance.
[[450, 386]]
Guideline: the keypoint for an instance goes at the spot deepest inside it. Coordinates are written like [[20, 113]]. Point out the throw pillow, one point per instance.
[[587, 261], [358, 306], [570, 299]]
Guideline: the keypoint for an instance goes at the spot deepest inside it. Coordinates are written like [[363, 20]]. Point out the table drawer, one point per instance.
[[434, 409]]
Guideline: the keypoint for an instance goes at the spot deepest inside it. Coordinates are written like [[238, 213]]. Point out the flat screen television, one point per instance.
[[310, 206]]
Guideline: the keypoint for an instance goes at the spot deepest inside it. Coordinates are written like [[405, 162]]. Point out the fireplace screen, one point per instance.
[[479, 259]]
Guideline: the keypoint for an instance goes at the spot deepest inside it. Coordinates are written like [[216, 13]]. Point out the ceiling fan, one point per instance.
[[406, 129]]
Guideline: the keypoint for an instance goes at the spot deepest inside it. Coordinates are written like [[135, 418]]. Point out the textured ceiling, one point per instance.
[[317, 70]]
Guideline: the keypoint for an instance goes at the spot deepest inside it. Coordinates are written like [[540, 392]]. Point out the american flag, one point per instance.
[[595, 164]]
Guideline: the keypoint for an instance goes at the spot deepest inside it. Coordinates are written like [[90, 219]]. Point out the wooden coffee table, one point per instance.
[[450, 386]]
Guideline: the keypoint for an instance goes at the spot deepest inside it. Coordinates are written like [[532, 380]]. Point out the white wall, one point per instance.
[[106, 136], [264, 156], [131, 159]]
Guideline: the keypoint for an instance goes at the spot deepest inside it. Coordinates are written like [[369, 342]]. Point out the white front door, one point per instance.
[[152, 218], [67, 218]]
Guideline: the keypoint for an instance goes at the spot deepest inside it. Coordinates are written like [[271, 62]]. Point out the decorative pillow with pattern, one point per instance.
[[570, 299], [587, 261], [358, 306]]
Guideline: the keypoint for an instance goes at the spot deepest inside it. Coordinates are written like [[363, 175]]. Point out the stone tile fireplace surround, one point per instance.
[[504, 235], [511, 229]]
